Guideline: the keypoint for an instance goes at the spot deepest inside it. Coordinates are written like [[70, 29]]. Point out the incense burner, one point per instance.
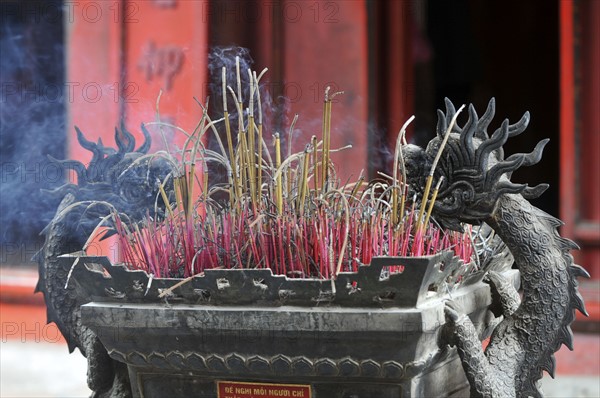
[[397, 327], [371, 333]]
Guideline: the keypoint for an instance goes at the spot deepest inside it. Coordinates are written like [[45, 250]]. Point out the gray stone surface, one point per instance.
[[571, 386], [182, 349], [41, 370]]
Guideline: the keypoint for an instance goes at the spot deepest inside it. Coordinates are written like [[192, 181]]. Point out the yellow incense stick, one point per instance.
[[251, 159], [260, 129], [165, 199], [433, 198], [205, 182], [433, 166], [260, 159], [346, 232], [314, 160], [177, 189], [424, 203], [328, 152], [397, 216], [324, 134], [325, 154], [190, 189], [231, 158], [234, 190], [304, 182], [243, 157], [251, 141], [278, 187], [403, 200]]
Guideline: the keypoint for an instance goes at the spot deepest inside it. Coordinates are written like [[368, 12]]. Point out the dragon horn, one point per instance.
[[485, 120], [129, 136], [517, 160], [536, 155], [124, 139], [520, 126], [442, 124], [89, 145], [466, 138], [147, 140], [450, 111], [507, 166], [107, 151], [534, 192], [74, 165], [119, 141], [496, 141], [507, 187], [61, 191]]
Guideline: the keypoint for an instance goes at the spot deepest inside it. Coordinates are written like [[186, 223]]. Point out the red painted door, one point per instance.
[[326, 45], [580, 129], [121, 55]]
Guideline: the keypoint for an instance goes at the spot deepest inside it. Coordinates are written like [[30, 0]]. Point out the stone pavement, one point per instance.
[[43, 369]]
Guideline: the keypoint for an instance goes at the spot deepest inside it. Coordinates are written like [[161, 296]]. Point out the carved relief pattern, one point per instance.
[[423, 279], [280, 365]]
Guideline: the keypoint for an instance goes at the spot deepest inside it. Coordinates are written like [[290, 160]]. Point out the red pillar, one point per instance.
[[120, 54], [326, 45], [93, 41], [165, 48], [580, 128]]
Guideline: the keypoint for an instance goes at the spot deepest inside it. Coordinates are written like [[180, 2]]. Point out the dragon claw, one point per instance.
[[451, 311]]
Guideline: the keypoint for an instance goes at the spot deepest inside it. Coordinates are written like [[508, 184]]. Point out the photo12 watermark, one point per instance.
[[69, 92], [24, 332], [132, 12], [91, 12], [327, 12]]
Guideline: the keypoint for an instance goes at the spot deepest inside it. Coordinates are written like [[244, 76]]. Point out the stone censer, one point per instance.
[[297, 286], [373, 338]]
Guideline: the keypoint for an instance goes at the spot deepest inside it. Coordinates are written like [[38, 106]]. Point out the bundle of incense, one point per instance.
[[288, 212]]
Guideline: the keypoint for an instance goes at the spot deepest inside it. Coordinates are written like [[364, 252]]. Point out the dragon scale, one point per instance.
[[541, 324]]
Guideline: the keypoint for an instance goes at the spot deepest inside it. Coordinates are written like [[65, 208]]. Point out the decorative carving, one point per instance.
[[422, 280], [370, 368], [279, 364], [348, 367]]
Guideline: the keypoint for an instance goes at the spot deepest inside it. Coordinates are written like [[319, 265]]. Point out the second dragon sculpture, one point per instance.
[[124, 181], [477, 188]]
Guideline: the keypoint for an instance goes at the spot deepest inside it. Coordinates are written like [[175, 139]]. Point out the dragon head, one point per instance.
[[125, 180], [473, 166]]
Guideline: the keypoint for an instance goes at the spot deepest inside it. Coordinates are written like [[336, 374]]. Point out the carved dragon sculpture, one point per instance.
[[125, 181], [477, 188]]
